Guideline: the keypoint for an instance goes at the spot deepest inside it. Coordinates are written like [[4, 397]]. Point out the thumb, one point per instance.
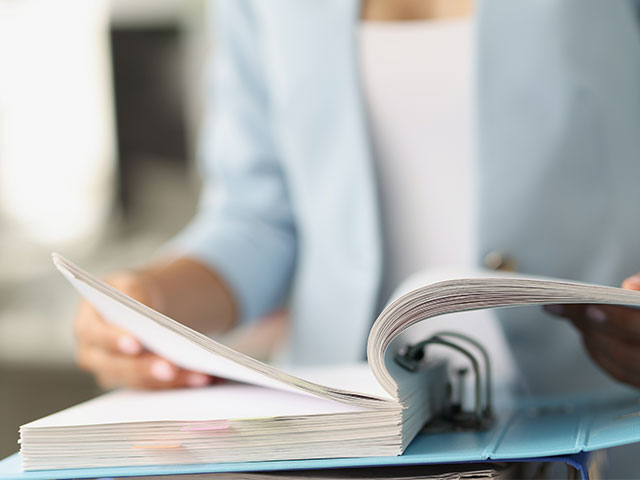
[[632, 283]]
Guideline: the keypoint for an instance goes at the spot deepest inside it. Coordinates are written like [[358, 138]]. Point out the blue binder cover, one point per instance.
[[10, 468], [550, 429]]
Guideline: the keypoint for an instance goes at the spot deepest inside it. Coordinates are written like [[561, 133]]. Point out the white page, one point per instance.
[[219, 402], [183, 352], [175, 348], [357, 377], [467, 294]]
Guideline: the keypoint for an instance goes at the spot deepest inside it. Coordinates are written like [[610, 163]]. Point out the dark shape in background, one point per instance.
[[149, 104]]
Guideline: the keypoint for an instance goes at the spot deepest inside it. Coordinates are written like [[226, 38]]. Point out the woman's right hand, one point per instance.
[[115, 357]]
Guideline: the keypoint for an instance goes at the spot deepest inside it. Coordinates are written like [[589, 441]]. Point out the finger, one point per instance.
[[618, 359], [91, 329], [622, 352], [156, 372], [626, 320], [149, 373], [632, 283], [112, 371], [146, 371], [615, 320]]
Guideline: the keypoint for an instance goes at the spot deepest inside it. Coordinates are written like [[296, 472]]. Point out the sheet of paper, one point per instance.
[[169, 345], [194, 351], [356, 377]]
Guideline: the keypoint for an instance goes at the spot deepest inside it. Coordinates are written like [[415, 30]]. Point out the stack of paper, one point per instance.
[[231, 422]]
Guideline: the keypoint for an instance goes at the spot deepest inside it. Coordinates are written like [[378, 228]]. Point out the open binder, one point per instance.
[[551, 430], [554, 429]]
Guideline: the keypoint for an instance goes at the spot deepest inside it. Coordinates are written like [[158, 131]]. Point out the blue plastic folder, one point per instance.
[[550, 429]]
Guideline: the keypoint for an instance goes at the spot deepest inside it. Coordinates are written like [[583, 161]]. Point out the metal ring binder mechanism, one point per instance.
[[453, 416]]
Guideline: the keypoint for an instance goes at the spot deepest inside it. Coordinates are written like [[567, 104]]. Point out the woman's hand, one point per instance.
[[611, 334], [115, 357]]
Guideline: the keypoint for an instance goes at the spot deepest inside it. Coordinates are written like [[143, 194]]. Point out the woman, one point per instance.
[[299, 202]]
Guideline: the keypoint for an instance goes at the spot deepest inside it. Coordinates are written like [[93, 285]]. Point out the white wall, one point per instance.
[[56, 119]]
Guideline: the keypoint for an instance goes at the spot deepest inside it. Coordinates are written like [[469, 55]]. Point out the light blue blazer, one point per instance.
[[289, 207]]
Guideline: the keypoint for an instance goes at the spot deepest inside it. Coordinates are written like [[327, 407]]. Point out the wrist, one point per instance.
[[191, 293]]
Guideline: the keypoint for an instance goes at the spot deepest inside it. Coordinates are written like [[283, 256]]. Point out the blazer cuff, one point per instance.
[[257, 271]]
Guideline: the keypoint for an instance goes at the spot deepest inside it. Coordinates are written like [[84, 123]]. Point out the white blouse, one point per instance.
[[417, 79], [418, 85]]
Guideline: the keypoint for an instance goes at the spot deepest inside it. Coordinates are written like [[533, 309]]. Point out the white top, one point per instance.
[[418, 84], [417, 79]]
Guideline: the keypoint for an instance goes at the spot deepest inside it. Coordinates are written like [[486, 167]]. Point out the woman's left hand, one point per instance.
[[611, 334]]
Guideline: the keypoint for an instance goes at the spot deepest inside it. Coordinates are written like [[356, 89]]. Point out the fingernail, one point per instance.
[[198, 380], [129, 345], [163, 371], [554, 309], [595, 314]]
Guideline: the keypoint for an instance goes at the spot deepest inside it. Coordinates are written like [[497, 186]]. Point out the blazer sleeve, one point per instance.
[[244, 228]]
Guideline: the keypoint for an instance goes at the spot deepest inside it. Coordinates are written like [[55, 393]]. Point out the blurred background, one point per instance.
[[99, 112]]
